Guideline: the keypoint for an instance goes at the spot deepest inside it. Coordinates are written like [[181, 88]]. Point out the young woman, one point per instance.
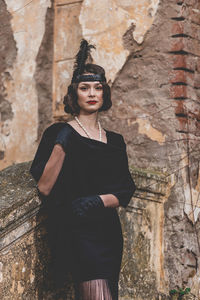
[[82, 170]]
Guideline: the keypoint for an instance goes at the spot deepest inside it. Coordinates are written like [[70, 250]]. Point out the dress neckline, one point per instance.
[[88, 137]]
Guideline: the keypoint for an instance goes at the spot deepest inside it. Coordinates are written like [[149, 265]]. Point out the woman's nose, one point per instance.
[[92, 92]]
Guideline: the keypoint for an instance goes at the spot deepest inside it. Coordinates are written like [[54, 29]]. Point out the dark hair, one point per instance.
[[70, 99]]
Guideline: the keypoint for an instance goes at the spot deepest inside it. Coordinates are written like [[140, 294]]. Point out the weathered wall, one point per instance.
[[23, 37], [67, 36], [25, 271], [7, 57], [156, 103], [142, 272], [108, 24], [151, 53], [113, 20], [43, 73], [24, 251]]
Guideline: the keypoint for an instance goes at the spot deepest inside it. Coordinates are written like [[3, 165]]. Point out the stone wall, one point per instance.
[[108, 25], [24, 251], [156, 102], [25, 271], [25, 77], [151, 53]]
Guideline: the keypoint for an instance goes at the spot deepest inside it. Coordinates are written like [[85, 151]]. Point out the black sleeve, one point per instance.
[[42, 155], [126, 187], [45, 148]]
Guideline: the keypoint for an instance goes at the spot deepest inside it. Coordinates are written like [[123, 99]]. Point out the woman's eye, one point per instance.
[[99, 88], [83, 88]]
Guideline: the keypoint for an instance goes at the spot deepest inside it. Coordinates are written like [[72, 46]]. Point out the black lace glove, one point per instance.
[[63, 137], [85, 206]]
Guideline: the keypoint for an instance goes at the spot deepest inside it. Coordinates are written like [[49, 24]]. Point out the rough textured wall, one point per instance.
[[22, 43], [67, 36], [43, 73], [155, 92], [8, 54], [25, 256], [142, 272], [150, 50], [108, 24], [113, 20], [24, 251], [156, 103]]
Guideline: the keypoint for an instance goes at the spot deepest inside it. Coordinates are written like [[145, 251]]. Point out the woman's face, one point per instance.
[[90, 96]]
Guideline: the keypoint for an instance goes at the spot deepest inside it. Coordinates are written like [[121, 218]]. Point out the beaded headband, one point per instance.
[[90, 77]]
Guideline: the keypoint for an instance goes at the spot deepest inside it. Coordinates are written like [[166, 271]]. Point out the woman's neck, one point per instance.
[[89, 121]]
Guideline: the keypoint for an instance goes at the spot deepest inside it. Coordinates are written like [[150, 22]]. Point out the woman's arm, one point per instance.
[[110, 200], [51, 170], [49, 156]]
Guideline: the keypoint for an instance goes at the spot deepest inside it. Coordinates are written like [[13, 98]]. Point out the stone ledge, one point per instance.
[[18, 196], [18, 199], [151, 185]]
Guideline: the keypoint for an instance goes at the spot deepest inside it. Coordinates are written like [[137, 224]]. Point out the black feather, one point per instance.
[[82, 56]]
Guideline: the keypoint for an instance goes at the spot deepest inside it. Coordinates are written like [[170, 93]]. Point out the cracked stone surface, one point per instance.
[[27, 28], [112, 20]]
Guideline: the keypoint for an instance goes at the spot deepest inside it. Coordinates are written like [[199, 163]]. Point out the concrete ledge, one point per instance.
[[18, 202], [151, 185], [23, 246]]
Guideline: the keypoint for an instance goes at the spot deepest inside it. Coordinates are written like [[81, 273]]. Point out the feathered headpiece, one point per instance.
[[79, 65]]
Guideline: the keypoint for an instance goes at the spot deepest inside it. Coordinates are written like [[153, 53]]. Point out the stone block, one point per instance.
[[62, 78], [67, 32]]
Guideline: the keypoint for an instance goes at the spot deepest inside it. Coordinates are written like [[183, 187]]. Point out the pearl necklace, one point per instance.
[[84, 129]]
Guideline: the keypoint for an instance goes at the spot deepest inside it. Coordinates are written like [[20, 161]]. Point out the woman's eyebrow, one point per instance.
[[83, 84]]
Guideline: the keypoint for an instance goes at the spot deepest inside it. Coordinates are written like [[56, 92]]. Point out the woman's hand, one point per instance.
[[85, 205]]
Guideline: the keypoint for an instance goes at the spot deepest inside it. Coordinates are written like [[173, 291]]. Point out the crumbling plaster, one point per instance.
[[155, 92], [7, 57], [113, 18], [108, 24], [28, 26]]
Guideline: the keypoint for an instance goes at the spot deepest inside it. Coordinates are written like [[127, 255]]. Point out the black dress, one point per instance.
[[90, 247]]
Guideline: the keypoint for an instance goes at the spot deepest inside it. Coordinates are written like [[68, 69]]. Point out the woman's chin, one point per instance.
[[90, 110]]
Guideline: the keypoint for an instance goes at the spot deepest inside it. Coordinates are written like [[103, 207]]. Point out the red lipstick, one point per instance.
[[91, 102]]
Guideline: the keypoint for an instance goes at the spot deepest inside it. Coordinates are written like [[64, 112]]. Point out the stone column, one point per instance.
[[67, 36]]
